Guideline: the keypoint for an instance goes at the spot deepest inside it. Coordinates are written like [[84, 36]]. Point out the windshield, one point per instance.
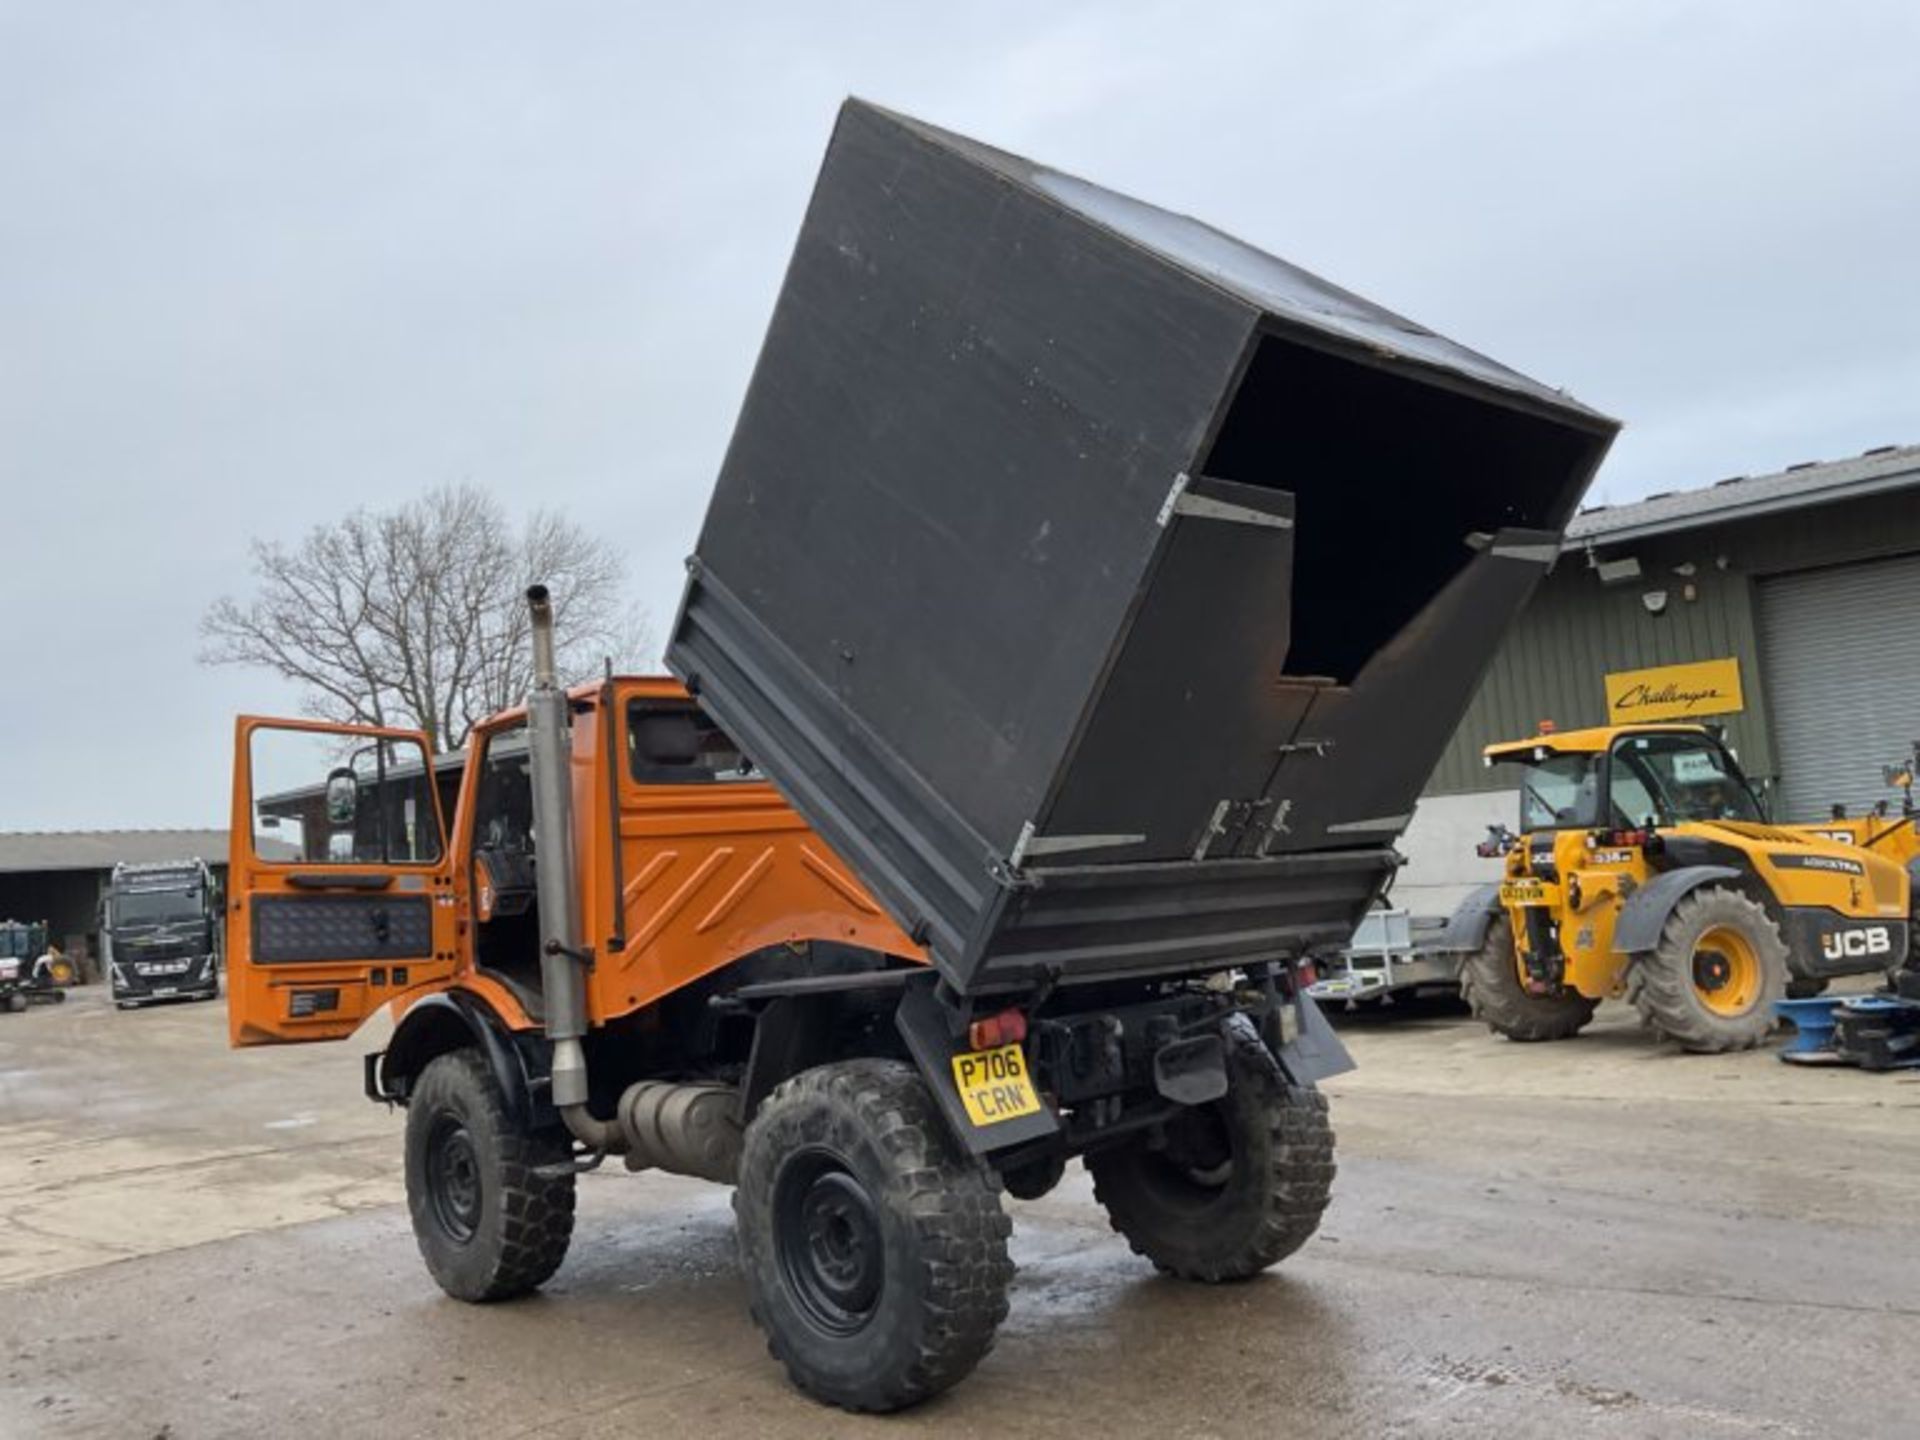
[[1561, 793], [15, 940], [1671, 779], [148, 907]]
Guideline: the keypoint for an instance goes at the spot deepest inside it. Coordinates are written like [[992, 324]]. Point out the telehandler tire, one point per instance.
[[1490, 984], [488, 1226], [1230, 1189], [1710, 984], [874, 1247]]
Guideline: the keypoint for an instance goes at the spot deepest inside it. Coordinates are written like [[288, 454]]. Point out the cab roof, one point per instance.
[[1591, 741]]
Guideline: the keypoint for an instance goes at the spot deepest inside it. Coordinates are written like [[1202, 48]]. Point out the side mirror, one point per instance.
[[343, 796]]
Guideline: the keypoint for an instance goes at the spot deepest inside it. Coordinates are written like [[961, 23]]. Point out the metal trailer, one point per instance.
[[1392, 952]]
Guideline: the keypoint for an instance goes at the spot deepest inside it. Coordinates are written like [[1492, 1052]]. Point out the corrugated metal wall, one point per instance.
[[1843, 647], [1577, 630]]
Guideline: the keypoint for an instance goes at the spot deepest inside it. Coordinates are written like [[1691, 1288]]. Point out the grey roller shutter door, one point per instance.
[[1841, 656]]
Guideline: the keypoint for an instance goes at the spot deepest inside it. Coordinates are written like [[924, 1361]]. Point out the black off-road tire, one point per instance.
[[16, 1002], [488, 1227], [1490, 984], [1660, 984], [874, 1247], [1270, 1148]]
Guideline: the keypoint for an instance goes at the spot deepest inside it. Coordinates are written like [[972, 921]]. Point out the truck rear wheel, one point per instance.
[[1490, 984], [488, 1226], [875, 1250], [1710, 984], [1228, 1189]]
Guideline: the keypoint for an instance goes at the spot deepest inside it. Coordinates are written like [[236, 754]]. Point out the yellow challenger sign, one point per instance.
[[1675, 692]]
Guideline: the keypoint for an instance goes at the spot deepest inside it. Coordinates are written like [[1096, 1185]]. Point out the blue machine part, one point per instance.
[[1874, 1032]]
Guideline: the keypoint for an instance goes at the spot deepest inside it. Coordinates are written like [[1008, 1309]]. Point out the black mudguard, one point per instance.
[[453, 1020], [1313, 1051], [1645, 914], [1467, 927], [923, 1023]]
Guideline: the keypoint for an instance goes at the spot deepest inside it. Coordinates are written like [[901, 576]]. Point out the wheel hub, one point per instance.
[[453, 1179], [832, 1254], [1727, 975]]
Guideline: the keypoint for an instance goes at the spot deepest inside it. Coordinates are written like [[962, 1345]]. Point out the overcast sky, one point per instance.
[[262, 263]]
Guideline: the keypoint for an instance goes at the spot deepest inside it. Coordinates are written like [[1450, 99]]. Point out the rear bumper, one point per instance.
[[1102, 922], [1823, 943]]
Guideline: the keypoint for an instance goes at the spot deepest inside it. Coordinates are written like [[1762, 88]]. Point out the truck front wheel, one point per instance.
[[875, 1250], [1490, 984], [1224, 1190], [488, 1225]]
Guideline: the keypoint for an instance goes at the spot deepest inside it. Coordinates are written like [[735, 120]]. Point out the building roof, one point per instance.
[[32, 850], [1889, 467]]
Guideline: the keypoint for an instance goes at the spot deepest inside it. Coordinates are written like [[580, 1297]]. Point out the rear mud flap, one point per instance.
[[1305, 1044], [931, 1042]]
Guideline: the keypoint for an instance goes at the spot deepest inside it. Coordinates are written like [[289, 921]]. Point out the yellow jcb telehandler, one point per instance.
[[1645, 869]]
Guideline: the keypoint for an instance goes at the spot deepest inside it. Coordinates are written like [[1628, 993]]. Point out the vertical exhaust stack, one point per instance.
[[688, 1129], [550, 749]]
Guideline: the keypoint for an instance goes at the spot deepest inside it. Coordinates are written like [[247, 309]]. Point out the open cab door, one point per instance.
[[339, 888]]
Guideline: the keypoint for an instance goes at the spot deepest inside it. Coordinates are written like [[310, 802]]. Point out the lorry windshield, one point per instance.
[[148, 907], [1672, 779]]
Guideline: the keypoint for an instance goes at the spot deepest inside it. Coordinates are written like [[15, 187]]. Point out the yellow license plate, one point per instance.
[[1522, 892], [994, 1085]]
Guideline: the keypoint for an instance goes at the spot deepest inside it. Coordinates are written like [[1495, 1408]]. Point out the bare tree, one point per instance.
[[415, 616]]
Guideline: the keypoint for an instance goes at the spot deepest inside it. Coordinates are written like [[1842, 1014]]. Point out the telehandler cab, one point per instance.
[[1010, 763], [1645, 868]]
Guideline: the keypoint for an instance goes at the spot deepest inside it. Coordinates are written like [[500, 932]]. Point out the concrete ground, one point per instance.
[[1599, 1238]]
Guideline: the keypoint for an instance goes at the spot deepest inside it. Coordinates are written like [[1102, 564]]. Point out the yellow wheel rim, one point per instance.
[[1726, 971]]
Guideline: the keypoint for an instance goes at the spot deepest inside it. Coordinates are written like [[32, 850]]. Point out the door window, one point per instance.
[[323, 798]]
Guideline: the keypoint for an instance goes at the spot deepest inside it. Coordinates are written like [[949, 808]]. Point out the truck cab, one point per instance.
[[161, 923]]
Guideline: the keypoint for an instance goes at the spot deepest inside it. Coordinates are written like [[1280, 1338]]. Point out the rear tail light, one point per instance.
[[1009, 1027]]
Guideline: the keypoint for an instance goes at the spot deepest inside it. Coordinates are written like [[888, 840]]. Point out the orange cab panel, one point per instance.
[[711, 863]]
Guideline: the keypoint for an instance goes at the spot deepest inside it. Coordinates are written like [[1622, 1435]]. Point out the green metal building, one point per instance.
[[1807, 581]]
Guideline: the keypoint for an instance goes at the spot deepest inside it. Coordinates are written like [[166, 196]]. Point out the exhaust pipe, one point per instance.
[[562, 962], [689, 1129]]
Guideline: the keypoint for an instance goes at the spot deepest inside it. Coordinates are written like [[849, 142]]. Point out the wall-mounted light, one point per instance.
[[1655, 601], [1613, 572]]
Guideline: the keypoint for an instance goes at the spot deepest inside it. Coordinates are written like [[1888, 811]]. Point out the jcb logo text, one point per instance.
[[1852, 944]]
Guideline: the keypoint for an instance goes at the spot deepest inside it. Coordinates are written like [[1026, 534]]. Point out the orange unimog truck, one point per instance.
[[1082, 603]]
